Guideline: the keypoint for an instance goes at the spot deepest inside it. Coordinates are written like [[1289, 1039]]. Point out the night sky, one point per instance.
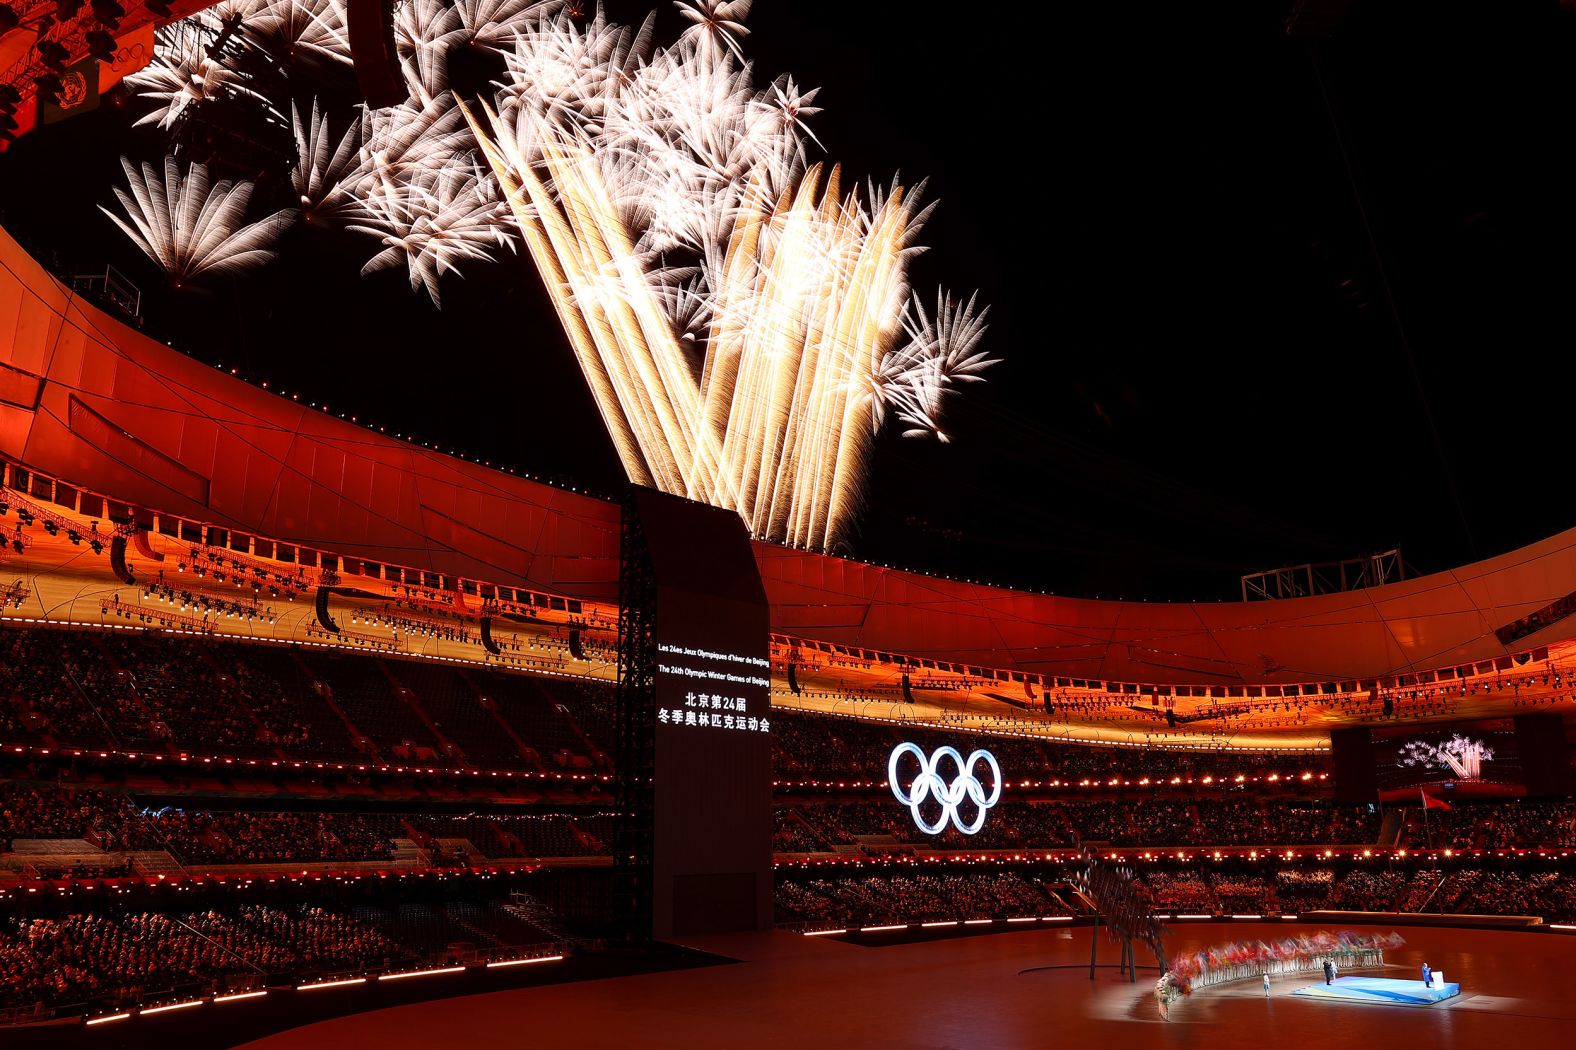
[[1258, 301]]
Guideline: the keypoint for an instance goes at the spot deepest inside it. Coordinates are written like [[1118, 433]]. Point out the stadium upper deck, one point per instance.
[[415, 548]]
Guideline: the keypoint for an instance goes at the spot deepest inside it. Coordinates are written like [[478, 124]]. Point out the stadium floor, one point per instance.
[[986, 991]]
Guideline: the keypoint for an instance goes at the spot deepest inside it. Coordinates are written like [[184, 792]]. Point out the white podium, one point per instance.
[[1439, 979]]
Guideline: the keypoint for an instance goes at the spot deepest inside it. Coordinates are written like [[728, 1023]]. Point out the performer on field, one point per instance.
[[1428, 976]]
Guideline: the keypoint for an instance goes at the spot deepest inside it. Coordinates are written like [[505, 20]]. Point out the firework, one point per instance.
[[290, 28], [182, 74], [716, 23], [942, 351], [494, 23], [326, 169], [419, 189], [190, 228], [424, 31], [745, 321], [434, 221], [742, 320]]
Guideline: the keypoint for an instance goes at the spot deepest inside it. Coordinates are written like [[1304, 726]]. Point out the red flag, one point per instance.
[[1430, 802]]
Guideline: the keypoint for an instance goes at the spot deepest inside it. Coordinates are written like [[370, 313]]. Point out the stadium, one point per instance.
[[311, 731]]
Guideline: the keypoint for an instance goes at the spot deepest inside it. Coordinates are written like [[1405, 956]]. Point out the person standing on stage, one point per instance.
[[1266, 983], [1428, 976], [1329, 971]]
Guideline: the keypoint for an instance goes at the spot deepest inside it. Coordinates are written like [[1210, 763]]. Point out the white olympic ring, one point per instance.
[[928, 782]]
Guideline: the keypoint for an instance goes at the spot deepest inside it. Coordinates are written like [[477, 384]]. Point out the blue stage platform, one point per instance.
[[1380, 990]]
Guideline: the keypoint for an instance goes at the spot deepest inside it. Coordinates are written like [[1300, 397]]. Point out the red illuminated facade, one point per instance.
[[95, 403]]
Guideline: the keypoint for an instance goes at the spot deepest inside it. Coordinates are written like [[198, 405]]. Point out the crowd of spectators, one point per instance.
[[1304, 889], [124, 956], [211, 696], [831, 750], [790, 834], [196, 836], [1179, 891], [1055, 823], [1424, 885], [102, 818], [918, 898], [1364, 890], [231, 837], [1546, 893], [1498, 825], [1235, 894], [1167, 821], [96, 952], [514, 835], [202, 706], [37, 696], [898, 895]]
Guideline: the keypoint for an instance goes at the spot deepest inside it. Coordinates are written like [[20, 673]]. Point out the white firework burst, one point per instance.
[[230, 13], [404, 147], [715, 24], [942, 351], [287, 29], [414, 137], [424, 31], [326, 168], [433, 222], [182, 74], [191, 228], [734, 309], [494, 23], [741, 316], [560, 70]]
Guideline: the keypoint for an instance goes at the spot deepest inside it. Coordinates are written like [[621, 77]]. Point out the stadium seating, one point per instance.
[[205, 696], [895, 893], [145, 754]]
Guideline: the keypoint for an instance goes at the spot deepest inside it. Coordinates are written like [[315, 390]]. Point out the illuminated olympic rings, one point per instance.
[[929, 782]]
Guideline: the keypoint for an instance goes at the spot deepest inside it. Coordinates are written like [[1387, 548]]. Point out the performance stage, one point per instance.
[[1007, 990], [1380, 990]]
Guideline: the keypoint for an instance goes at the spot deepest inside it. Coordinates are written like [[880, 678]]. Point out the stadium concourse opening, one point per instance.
[[311, 735]]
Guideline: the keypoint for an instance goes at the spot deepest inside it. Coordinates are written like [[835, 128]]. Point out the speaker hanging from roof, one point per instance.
[[908, 694], [487, 638], [117, 559], [575, 649], [323, 616], [793, 680]]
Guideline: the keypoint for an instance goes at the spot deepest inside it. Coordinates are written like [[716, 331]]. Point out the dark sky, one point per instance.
[[1259, 301]]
